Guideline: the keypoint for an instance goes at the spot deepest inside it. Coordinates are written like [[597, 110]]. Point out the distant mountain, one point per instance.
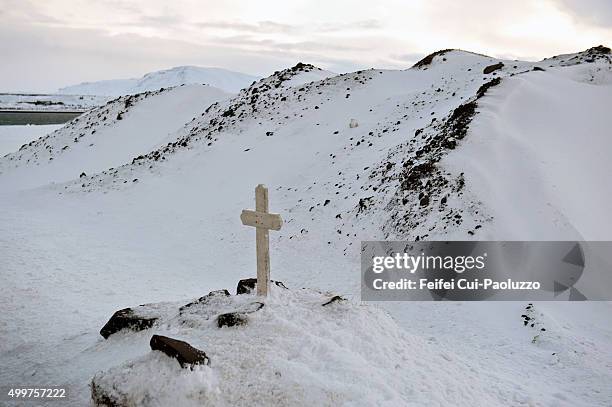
[[228, 81]]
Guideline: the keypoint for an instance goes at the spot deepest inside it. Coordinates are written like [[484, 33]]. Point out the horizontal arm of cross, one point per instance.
[[262, 220]]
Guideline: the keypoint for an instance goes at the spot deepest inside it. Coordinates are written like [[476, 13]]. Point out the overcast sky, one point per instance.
[[47, 44]]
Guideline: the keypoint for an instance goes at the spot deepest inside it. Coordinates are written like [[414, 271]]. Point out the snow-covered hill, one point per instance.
[[461, 146], [229, 81], [109, 135]]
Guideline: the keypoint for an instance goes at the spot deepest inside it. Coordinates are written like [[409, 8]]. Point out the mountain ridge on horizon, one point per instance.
[[224, 79]]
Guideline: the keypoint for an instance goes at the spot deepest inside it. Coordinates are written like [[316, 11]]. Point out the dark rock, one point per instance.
[[126, 318], [600, 49], [231, 319], [411, 177], [335, 298], [186, 354], [458, 123], [205, 299], [246, 285], [82, 175], [229, 112], [364, 203], [239, 317], [483, 89], [449, 143], [429, 58], [537, 68], [493, 68], [100, 397]]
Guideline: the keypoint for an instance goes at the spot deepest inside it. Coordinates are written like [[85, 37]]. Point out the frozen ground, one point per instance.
[[166, 227]]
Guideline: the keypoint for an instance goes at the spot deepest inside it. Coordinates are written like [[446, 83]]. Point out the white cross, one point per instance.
[[263, 221]]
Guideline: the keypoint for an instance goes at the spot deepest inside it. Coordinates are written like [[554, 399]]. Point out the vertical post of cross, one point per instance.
[[263, 222], [262, 242]]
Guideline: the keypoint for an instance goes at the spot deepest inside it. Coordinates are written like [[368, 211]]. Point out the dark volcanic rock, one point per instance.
[[247, 285], [335, 298], [493, 68], [239, 318], [101, 399], [458, 123], [410, 178], [429, 58], [232, 319], [483, 89], [600, 49], [126, 318], [186, 354]]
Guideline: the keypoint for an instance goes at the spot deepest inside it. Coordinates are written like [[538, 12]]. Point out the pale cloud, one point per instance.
[[52, 43], [590, 12]]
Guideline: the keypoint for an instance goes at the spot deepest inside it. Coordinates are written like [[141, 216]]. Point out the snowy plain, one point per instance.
[[166, 227]]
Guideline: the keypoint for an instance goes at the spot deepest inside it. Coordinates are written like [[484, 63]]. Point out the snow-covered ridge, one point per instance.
[[267, 95], [590, 55], [228, 81], [259, 96], [109, 135], [434, 103]]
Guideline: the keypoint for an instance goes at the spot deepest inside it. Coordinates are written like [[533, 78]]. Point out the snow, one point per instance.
[[316, 74], [228, 81], [557, 192], [145, 125], [13, 137], [293, 351], [105, 242]]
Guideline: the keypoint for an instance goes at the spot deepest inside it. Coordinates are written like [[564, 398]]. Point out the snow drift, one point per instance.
[[293, 351]]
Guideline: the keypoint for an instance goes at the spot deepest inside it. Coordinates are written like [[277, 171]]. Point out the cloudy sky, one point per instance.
[[46, 44]]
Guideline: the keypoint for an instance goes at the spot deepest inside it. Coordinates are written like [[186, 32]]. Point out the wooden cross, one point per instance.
[[262, 221]]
